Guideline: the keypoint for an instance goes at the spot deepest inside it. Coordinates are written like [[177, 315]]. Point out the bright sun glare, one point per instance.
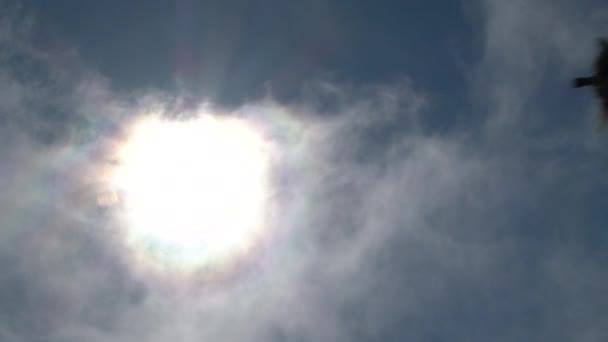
[[194, 191]]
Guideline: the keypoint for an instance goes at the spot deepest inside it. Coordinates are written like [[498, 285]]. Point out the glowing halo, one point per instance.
[[194, 194]]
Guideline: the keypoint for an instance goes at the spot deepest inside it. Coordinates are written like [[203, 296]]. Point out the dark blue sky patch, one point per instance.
[[235, 50]]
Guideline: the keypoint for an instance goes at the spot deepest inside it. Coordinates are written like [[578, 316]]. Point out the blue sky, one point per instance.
[[438, 179]]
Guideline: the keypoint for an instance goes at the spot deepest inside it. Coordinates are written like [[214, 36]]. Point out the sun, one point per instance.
[[194, 192]]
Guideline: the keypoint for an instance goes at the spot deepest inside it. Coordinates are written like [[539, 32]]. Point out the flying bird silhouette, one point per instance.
[[599, 80]]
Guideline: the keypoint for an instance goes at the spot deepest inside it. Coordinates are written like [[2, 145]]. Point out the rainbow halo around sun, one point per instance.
[[194, 193]]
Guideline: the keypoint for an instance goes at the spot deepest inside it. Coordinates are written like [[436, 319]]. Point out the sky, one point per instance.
[[433, 174]]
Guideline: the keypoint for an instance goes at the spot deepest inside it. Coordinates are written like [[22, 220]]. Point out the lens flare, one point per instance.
[[194, 193]]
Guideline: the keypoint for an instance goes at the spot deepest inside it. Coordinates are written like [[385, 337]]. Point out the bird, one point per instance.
[[599, 80]]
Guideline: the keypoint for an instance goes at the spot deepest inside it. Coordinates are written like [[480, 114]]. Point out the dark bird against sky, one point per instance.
[[599, 80]]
